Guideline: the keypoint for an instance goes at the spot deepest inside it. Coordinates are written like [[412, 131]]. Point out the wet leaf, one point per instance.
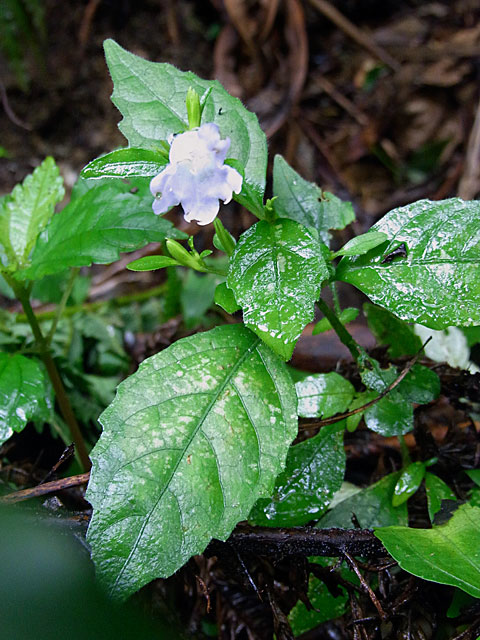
[[24, 213], [437, 490], [408, 483], [95, 228], [313, 473], [448, 554], [25, 393], [126, 163], [151, 97], [306, 203], [436, 283], [390, 416], [275, 273], [362, 244], [323, 394], [372, 506], [191, 441], [390, 330]]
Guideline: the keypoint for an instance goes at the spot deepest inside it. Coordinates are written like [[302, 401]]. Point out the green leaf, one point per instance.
[[437, 490], [360, 399], [152, 263], [346, 316], [474, 475], [421, 385], [313, 473], [390, 416], [191, 441], [197, 297], [224, 298], [448, 554], [25, 393], [362, 244], [151, 97], [322, 395], [275, 273], [325, 605], [408, 483], [95, 228], [390, 330], [436, 284], [306, 203], [372, 507], [24, 214], [126, 163]]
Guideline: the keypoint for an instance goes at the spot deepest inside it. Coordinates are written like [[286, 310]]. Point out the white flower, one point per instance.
[[448, 346], [196, 176]]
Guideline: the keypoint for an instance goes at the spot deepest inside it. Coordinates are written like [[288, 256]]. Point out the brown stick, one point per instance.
[[470, 180], [333, 14], [47, 487]]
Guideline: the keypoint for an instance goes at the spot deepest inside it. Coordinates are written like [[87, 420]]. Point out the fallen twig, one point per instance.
[[47, 487]]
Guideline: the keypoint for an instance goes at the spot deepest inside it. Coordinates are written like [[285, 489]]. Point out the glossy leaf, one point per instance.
[[421, 385], [448, 554], [408, 483], [390, 416], [391, 331], [95, 228], [24, 213], [306, 203], [191, 441], [126, 163], [372, 507], [323, 394], [437, 490], [151, 97], [362, 244], [313, 473], [436, 283], [152, 263], [25, 393], [224, 298], [275, 273], [346, 316]]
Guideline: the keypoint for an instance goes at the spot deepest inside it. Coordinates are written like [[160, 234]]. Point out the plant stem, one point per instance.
[[63, 303], [60, 393], [355, 349], [336, 301]]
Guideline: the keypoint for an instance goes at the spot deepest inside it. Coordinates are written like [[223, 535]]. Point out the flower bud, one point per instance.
[[226, 240], [194, 110], [182, 256]]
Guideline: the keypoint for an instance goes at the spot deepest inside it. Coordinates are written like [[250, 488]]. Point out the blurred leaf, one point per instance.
[[197, 297], [437, 490], [152, 263], [346, 316], [448, 554], [224, 298], [391, 331], [322, 395], [372, 506], [275, 273], [306, 203], [408, 483]]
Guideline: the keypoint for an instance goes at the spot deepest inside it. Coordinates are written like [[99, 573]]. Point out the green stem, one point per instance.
[[336, 300], [60, 393], [406, 460], [89, 307], [63, 303], [355, 349]]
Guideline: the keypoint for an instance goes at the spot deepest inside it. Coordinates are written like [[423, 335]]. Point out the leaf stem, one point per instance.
[[63, 303], [60, 393], [355, 349]]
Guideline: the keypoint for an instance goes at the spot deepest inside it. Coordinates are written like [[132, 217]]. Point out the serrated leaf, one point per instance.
[[362, 244], [126, 163], [24, 214], [437, 490], [448, 554], [25, 393], [436, 283], [152, 263], [305, 202], [313, 473], [323, 394], [191, 441], [372, 507], [95, 228], [408, 483], [390, 330], [151, 97], [275, 273]]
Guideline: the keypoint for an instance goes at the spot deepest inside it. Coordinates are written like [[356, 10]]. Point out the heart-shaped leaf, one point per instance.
[[433, 279], [191, 441], [275, 273]]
